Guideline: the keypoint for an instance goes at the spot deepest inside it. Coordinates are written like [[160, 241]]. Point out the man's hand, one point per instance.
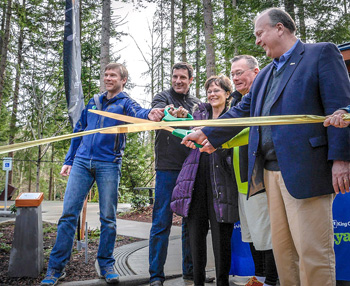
[[336, 119], [197, 137], [177, 112], [207, 147], [65, 171], [200, 138], [156, 114], [341, 176], [181, 112]]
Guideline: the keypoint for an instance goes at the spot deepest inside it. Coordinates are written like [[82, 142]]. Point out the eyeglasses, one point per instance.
[[215, 91], [238, 73]]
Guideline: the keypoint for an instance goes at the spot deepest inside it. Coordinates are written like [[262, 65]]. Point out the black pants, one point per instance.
[[201, 213], [265, 265]]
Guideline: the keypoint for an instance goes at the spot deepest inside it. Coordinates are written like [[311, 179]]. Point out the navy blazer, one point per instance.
[[315, 82]]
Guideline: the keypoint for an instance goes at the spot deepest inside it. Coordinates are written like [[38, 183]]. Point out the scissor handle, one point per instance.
[[169, 117], [182, 133]]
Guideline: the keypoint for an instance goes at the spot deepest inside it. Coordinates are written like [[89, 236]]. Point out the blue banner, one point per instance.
[[72, 62], [242, 263], [341, 224]]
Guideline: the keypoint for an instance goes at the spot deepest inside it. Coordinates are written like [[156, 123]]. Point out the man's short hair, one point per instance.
[[121, 68], [185, 66], [251, 61], [278, 15], [220, 80]]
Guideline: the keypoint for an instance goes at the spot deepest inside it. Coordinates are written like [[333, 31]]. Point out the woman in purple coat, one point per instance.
[[206, 191]]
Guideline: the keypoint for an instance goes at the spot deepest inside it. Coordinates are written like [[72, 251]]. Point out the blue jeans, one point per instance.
[[83, 174], [161, 224]]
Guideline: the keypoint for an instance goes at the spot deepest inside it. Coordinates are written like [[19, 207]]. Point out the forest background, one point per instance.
[[203, 32]]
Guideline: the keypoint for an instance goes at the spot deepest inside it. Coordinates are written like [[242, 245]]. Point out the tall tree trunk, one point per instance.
[[289, 5], [4, 48], [3, 18], [51, 173], [13, 119], [38, 166], [161, 45], [30, 177], [172, 34], [226, 25], [301, 16], [209, 34], [152, 64], [345, 7], [234, 24], [198, 50], [184, 32], [105, 37]]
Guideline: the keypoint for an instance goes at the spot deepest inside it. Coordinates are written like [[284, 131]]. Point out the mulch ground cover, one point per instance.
[[76, 269], [145, 215]]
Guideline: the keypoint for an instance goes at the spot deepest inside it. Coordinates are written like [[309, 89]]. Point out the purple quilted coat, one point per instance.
[[224, 186]]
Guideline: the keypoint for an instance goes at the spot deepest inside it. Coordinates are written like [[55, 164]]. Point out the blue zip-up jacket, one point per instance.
[[103, 147]]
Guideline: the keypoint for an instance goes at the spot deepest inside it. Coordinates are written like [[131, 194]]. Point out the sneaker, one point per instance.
[[52, 277], [208, 279], [254, 282], [240, 280], [156, 283], [109, 274]]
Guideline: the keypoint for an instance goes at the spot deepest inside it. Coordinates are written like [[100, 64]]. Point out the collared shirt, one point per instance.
[[279, 62], [347, 109]]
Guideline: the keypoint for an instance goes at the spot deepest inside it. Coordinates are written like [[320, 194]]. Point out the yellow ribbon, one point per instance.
[[147, 125], [29, 144]]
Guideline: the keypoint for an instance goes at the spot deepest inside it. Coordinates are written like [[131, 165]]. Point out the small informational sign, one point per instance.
[[29, 199], [7, 164]]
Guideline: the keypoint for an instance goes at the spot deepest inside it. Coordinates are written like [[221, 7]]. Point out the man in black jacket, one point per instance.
[[170, 155]]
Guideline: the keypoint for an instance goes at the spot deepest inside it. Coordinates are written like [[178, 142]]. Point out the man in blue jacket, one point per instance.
[[96, 157], [299, 165]]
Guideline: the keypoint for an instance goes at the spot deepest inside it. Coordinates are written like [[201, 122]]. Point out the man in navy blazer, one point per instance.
[[299, 165]]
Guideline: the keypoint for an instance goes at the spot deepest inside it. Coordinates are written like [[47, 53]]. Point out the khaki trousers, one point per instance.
[[302, 235]]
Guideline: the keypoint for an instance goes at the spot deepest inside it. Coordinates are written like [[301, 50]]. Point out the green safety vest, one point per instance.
[[240, 139]]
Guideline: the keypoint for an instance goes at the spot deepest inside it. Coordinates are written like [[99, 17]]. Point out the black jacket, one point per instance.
[[170, 154]]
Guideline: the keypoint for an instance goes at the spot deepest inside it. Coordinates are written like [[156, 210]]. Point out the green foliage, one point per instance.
[[94, 234], [5, 247], [49, 228], [94, 191], [138, 202], [137, 170], [13, 209]]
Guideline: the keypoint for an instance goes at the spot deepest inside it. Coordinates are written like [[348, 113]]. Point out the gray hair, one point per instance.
[[278, 15], [251, 61]]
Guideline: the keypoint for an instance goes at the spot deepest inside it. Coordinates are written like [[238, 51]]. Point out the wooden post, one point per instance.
[[83, 220]]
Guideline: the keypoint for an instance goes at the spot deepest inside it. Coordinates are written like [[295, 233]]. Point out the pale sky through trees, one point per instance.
[[137, 26]]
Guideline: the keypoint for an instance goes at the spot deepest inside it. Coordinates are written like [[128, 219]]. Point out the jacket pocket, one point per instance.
[[318, 141]]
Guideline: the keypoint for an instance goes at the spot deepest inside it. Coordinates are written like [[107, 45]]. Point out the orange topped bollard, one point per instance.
[[27, 256]]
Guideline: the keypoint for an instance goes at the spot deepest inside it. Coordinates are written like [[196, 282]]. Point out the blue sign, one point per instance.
[[341, 225], [7, 164]]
